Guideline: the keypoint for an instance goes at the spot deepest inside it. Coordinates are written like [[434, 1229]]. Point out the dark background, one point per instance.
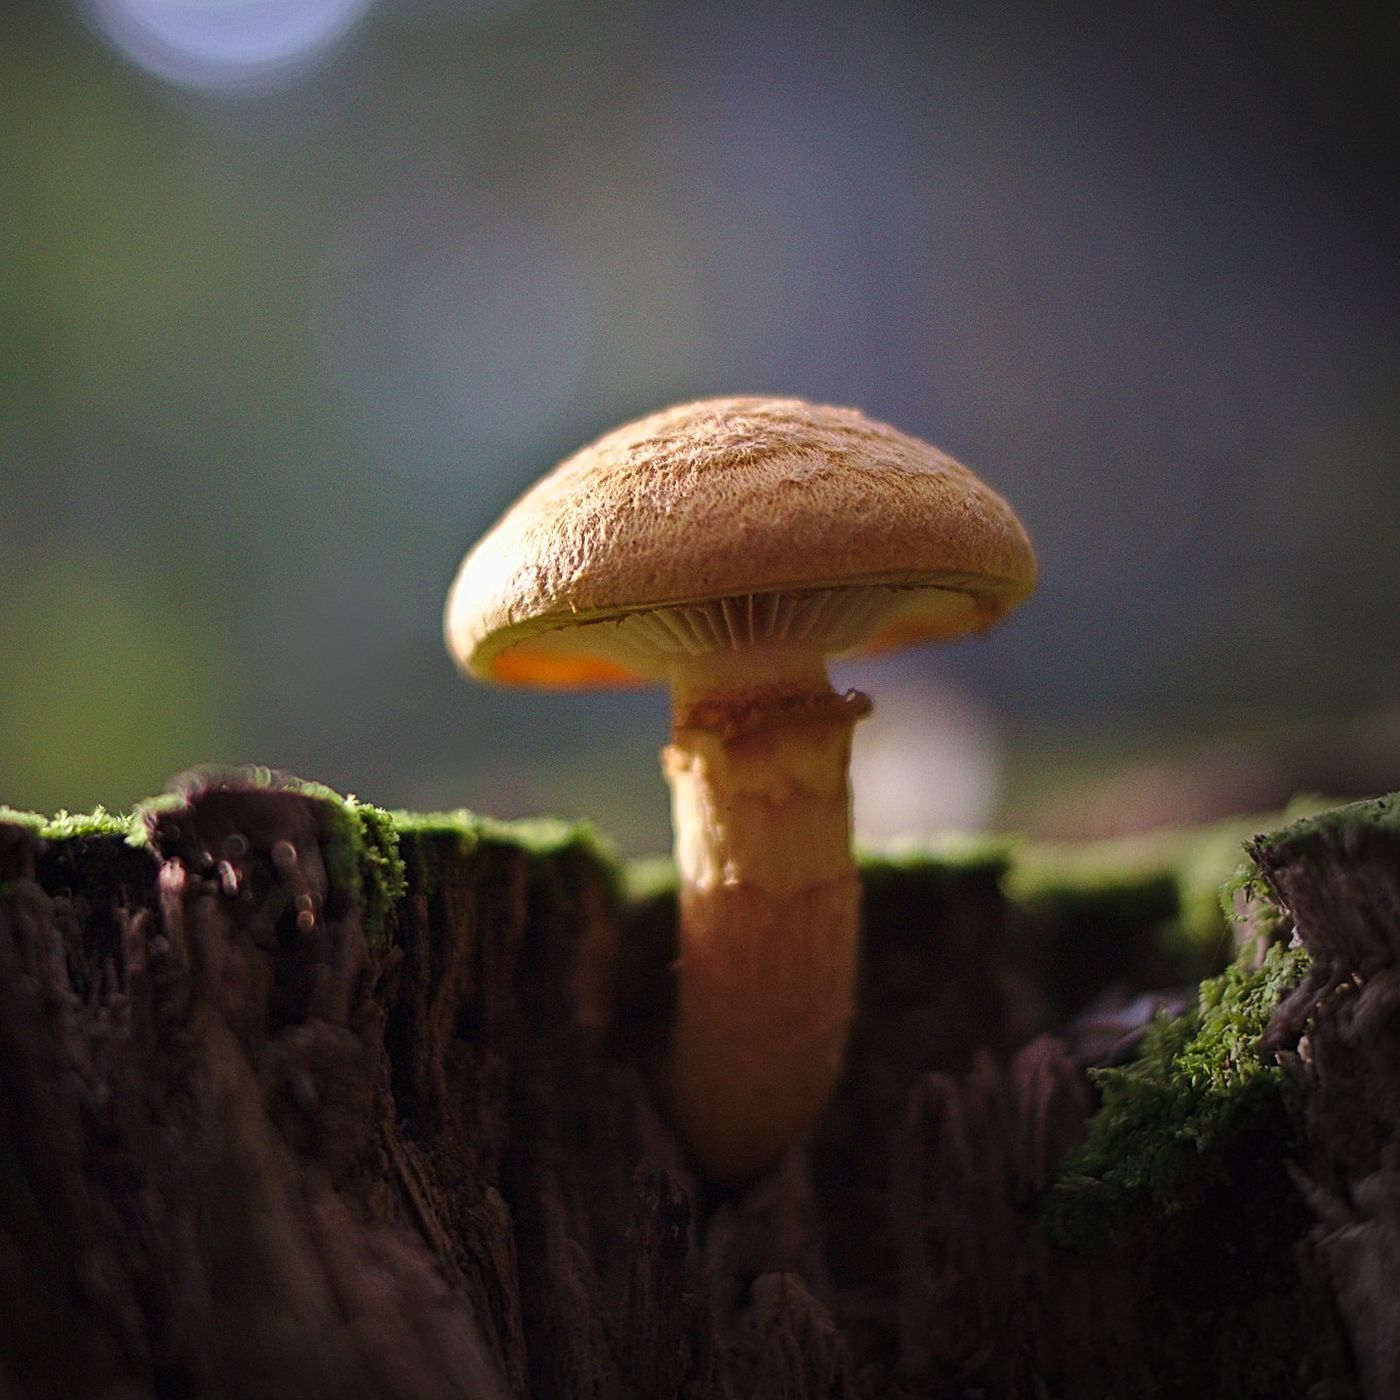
[[297, 295]]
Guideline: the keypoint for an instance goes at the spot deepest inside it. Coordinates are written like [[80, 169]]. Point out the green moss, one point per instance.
[[951, 850], [1199, 1080], [146, 813], [949, 856], [1162, 889], [649, 878], [537, 835], [360, 846], [1377, 813], [543, 840], [1131, 881], [375, 866], [1209, 870], [1117, 869], [1192, 1142], [73, 826], [30, 821], [1245, 886], [359, 842]]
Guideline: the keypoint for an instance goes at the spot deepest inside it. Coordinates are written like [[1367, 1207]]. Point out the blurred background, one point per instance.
[[297, 295]]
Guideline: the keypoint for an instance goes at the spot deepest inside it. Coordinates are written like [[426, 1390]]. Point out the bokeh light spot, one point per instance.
[[929, 757], [227, 46]]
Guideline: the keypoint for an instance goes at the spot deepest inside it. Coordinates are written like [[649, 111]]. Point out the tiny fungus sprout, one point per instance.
[[727, 548]]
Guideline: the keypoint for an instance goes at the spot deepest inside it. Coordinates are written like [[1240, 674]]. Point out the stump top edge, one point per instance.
[[1347, 824]]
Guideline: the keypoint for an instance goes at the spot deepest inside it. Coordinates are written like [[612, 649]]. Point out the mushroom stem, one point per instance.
[[769, 904]]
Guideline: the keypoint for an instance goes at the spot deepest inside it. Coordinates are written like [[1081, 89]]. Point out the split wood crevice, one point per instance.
[[260, 1138]]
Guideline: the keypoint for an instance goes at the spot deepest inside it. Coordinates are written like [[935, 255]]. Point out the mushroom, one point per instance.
[[727, 548]]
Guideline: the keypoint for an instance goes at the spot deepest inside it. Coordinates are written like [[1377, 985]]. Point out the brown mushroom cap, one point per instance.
[[715, 512]]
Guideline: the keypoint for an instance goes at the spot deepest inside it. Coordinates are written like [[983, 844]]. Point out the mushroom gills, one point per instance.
[[826, 621]]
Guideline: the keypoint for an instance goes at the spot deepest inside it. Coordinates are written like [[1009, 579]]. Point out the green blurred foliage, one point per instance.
[[115, 687]]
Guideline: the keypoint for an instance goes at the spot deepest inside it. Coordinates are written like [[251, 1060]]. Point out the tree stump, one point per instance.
[[301, 1099]]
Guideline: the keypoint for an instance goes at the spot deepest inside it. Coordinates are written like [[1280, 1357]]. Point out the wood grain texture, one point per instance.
[[246, 1151]]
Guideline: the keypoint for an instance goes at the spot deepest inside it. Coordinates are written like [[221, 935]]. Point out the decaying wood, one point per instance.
[[246, 1150], [1342, 888]]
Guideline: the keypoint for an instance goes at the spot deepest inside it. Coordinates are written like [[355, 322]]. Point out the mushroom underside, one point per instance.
[[653, 642]]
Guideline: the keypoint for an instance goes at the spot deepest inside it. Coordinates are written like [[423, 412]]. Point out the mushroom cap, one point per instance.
[[737, 503]]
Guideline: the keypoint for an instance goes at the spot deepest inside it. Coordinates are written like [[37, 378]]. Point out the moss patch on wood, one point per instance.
[[1200, 1079]]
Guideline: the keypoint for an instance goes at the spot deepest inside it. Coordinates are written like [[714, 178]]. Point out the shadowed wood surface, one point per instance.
[[257, 1140]]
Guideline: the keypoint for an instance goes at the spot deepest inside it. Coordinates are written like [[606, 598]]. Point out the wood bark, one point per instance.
[[248, 1149]]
